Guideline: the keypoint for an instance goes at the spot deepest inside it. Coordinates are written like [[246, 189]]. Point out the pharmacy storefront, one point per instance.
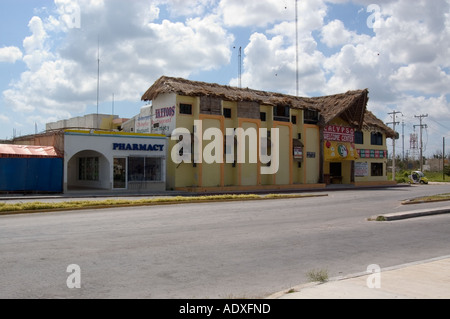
[[114, 161]]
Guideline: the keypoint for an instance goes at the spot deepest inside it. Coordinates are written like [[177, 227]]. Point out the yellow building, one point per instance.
[[318, 141]]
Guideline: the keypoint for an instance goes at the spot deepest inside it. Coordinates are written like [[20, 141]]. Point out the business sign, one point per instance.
[[361, 169], [340, 151], [144, 121], [372, 154], [164, 120], [335, 133], [138, 147], [298, 153]]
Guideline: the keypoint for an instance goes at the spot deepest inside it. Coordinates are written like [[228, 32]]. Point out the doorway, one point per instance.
[[336, 173], [120, 173]]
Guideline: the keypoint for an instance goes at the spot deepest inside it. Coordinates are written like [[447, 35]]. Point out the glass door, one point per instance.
[[120, 173]]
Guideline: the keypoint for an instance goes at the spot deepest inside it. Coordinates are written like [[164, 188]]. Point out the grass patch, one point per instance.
[[86, 204], [318, 275]]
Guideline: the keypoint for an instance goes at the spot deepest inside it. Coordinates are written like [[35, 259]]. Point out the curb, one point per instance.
[[411, 214], [298, 289]]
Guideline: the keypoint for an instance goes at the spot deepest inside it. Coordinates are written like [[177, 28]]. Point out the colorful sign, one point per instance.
[[163, 121], [335, 133], [298, 153], [372, 154], [337, 151]]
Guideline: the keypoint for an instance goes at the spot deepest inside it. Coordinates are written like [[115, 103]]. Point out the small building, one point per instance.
[[88, 160], [115, 161], [322, 140], [25, 168]]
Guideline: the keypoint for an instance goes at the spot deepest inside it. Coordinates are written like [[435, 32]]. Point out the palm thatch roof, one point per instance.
[[372, 123], [350, 106]]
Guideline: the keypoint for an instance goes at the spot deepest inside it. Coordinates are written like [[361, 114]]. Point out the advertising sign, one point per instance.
[[144, 121], [361, 169], [340, 151], [335, 133], [163, 121]]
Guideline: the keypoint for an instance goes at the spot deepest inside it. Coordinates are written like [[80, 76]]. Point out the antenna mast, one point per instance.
[[296, 44], [98, 76]]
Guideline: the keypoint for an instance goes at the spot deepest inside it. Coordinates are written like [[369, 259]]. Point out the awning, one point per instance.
[[10, 150], [297, 143], [339, 151]]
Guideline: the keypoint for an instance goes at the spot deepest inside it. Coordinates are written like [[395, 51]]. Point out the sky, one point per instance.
[[398, 49]]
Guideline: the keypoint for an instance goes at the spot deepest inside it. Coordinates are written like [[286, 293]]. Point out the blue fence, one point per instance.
[[31, 175]]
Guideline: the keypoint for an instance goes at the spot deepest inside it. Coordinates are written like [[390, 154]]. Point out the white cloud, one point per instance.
[[135, 50], [4, 118], [10, 54]]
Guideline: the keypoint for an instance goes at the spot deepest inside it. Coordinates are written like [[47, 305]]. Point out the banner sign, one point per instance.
[[335, 133], [336, 151], [372, 154], [361, 169]]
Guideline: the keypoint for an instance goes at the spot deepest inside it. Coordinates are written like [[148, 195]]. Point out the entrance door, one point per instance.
[[120, 173], [336, 173]]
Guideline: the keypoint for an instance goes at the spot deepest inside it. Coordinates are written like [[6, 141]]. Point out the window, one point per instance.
[[377, 169], [88, 169], [227, 113], [359, 137], [263, 116], [376, 139], [311, 117], [186, 109], [144, 169], [294, 119], [281, 113]]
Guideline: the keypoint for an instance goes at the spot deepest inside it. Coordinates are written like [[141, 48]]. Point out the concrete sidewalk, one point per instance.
[[429, 279]]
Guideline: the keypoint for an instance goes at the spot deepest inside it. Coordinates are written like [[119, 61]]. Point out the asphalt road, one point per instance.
[[217, 250]]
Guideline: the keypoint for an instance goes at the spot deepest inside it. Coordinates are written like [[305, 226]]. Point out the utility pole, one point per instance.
[[443, 158], [394, 123], [421, 117], [403, 140]]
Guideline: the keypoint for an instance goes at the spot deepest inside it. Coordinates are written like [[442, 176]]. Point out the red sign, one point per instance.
[[337, 133]]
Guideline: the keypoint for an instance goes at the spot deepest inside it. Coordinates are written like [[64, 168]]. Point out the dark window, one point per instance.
[[377, 169], [359, 137], [281, 113], [142, 169], [186, 109], [89, 169], [263, 116], [227, 113], [376, 139], [294, 119], [311, 117]]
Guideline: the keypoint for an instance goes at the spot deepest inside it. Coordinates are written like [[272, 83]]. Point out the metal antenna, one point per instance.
[[296, 44], [98, 76], [240, 67]]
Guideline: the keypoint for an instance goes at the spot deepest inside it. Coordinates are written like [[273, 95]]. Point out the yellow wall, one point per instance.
[[249, 173], [284, 174], [311, 169], [367, 146]]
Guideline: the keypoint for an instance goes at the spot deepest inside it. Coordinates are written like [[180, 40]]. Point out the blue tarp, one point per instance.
[[31, 175]]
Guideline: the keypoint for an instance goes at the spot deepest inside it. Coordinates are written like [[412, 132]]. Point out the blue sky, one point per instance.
[[48, 52]]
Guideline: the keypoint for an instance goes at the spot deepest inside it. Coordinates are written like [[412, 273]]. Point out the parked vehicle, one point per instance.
[[417, 177]]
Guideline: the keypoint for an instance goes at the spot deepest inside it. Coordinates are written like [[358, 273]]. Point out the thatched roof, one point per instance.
[[372, 123], [350, 106]]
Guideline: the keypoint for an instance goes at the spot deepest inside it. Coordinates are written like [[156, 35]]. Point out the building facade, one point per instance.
[[320, 141]]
